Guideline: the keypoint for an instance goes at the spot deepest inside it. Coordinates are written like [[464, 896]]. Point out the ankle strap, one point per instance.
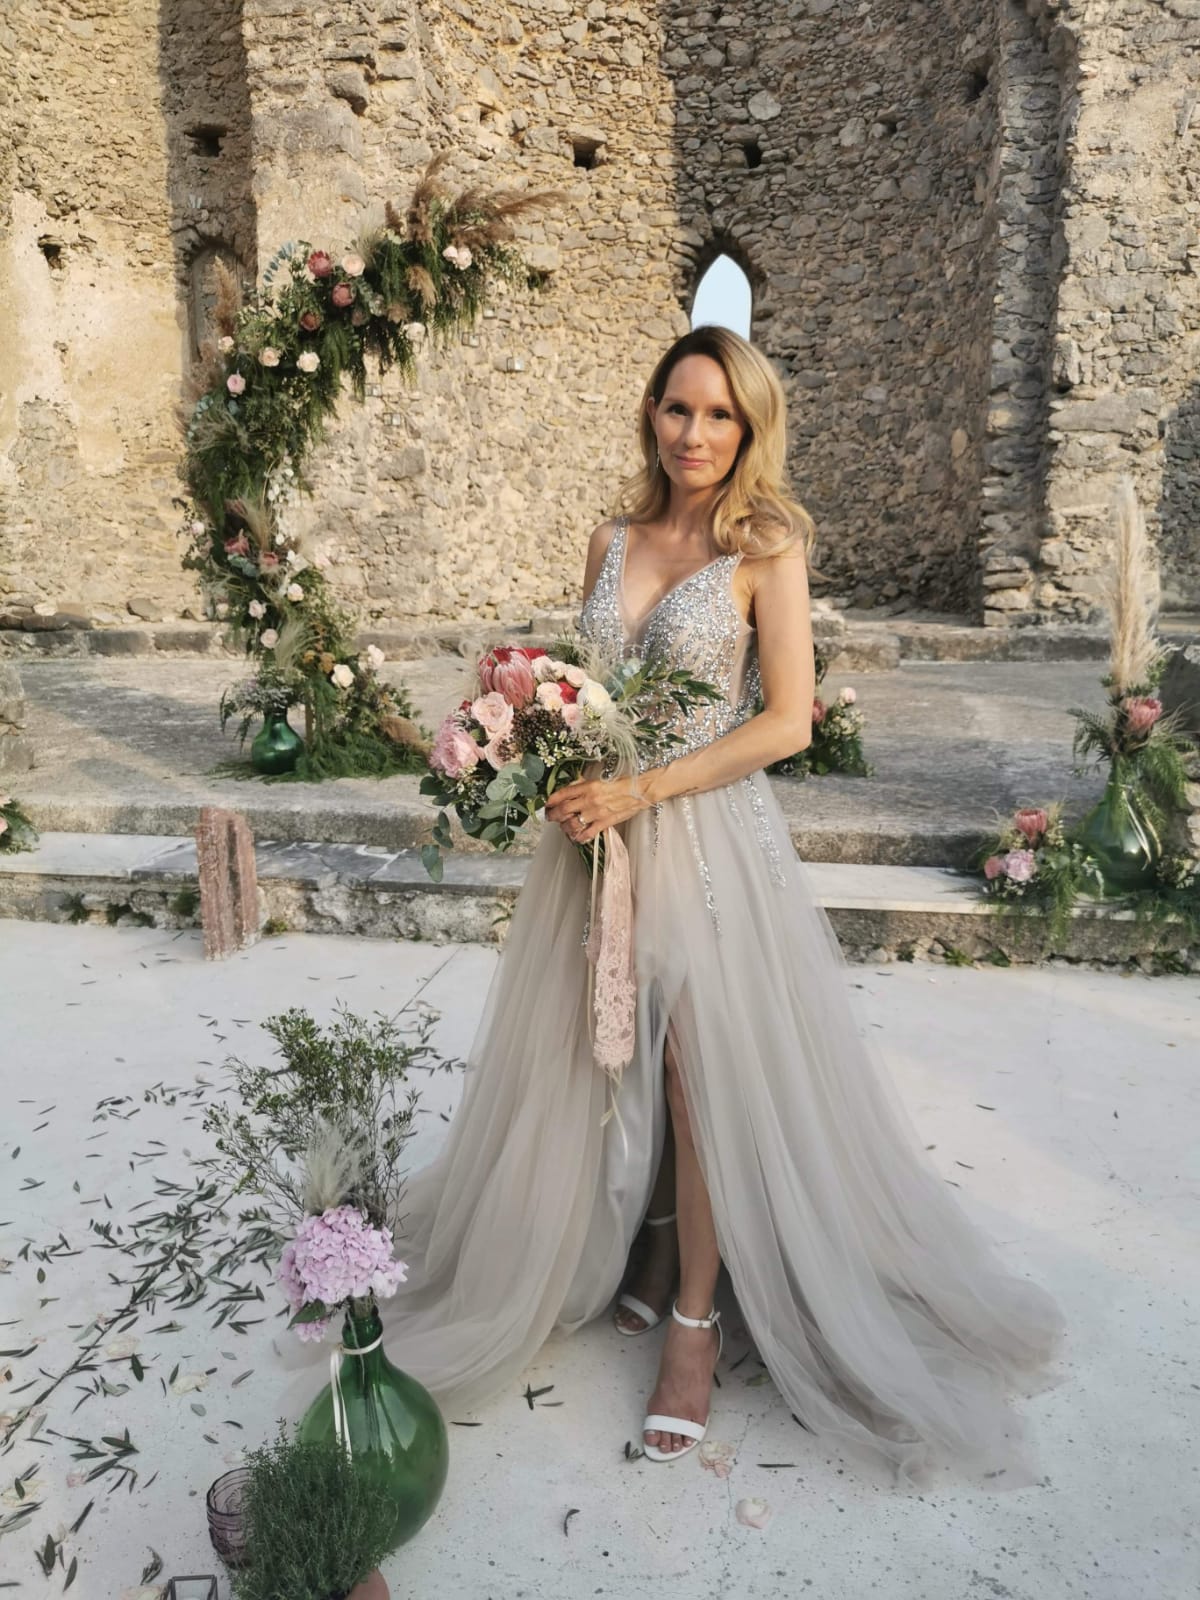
[[710, 1321]]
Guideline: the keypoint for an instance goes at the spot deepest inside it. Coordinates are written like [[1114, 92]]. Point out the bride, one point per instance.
[[754, 1127]]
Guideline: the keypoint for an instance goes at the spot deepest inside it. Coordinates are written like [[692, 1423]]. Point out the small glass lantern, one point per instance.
[[203, 1588], [225, 1526]]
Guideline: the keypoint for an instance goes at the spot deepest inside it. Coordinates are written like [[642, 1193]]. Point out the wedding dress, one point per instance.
[[881, 1312]]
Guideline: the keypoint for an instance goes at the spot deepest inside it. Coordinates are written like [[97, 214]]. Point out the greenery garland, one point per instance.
[[266, 388]]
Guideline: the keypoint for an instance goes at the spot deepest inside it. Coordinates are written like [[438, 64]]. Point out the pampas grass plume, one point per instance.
[[1130, 591], [333, 1162]]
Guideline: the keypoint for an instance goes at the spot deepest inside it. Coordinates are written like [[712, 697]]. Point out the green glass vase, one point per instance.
[[1119, 838], [276, 746], [394, 1429]]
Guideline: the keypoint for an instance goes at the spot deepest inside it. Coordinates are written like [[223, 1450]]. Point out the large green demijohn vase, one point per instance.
[[393, 1428], [276, 746], [1118, 837]]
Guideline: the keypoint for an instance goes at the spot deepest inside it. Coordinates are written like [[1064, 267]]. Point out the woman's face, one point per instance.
[[697, 423]]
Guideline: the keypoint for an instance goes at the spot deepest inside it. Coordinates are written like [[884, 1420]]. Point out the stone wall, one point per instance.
[[971, 227]]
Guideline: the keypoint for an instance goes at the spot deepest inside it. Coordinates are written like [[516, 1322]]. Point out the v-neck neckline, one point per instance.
[[662, 599]]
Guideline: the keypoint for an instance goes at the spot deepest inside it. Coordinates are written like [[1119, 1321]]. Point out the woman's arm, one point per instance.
[[785, 654]]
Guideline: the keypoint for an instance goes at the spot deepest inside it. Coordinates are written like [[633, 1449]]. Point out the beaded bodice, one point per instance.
[[695, 626]]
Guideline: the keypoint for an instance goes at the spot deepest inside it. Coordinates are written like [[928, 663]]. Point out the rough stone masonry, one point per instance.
[[972, 230]]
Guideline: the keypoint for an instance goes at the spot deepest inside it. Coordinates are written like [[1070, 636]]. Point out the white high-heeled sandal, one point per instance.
[[631, 1302], [694, 1431]]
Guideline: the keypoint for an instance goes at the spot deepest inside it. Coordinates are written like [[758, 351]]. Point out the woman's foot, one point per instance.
[[684, 1387], [655, 1280]]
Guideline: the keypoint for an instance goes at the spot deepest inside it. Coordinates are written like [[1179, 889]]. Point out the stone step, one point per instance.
[[853, 644], [877, 912]]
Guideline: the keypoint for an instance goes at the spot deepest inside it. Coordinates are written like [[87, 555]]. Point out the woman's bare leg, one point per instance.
[[689, 1354], [658, 1271]]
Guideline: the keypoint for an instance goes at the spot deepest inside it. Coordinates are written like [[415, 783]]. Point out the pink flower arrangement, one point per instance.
[[320, 263], [1141, 713], [336, 1257]]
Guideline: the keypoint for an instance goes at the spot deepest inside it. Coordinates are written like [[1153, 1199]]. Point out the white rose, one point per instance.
[[295, 593], [594, 696], [198, 528], [543, 668], [257, 610], [268, 638], [309, 361], [269, 356], [375, 657], [847, 696], [353, 265], [550, 696], [342, 676], [225, 344], [576, 677]]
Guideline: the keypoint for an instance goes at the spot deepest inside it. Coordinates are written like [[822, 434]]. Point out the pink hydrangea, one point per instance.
[[336, 1257], [454, 751], [1019, 865]]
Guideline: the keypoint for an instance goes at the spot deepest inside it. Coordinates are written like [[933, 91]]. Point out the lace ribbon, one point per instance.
[[612, 988], [340, 1428]]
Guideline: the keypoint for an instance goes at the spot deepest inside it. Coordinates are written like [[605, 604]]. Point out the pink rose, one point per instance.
[[310, 321], [320, 263], [235, 383], [572, 716], [342, 295], [848, 695], [494, 714], [1141, 713], [993, 867], [268, 561], [1019, 865], [818, 712], [1032, 823], [454, 751], [507, 670]]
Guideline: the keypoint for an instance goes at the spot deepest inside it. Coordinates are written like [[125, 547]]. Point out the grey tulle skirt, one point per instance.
[[882, 1313]]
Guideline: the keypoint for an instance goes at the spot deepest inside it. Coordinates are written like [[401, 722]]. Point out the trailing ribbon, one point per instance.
[[340, 1428], [612, 987]]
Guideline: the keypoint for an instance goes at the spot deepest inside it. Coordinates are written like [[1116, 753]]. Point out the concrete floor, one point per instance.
[[1085, 1171]]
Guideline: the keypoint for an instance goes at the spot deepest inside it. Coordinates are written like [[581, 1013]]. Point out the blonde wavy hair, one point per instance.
[[754, 510]]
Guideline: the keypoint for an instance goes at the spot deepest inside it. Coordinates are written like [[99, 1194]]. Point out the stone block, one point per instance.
[[1180, 687], [12, 698], [16, 753], [228, 876]]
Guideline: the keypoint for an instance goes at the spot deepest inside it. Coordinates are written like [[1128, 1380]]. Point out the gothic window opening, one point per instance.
[[723, 296]]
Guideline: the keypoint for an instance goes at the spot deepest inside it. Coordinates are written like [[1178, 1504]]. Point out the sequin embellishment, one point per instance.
[[762, 829], [685, 805]]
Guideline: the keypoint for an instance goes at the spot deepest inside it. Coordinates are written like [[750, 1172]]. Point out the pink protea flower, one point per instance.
[[993, 867], [1141, 713], [508, 671], [310, 321], [818, 712], [454, 751], [1032, 823], [1019, 865], [320, 263], [342, 295]]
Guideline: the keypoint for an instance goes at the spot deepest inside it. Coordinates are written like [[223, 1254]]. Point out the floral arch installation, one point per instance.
[[266, 383]]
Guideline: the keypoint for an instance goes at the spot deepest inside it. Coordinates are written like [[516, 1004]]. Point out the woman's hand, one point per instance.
[[586, 807]]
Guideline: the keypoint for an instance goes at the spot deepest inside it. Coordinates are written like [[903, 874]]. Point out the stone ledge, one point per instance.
[[877, 912]]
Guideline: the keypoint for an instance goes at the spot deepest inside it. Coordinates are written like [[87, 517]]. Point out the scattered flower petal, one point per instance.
[[185, 1382], [753, 1513], [120, 1349]]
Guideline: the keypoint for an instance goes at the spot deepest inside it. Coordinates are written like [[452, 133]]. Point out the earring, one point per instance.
[[657, 460]]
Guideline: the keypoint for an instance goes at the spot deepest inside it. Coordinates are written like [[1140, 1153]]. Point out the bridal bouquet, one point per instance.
[[536, 721]]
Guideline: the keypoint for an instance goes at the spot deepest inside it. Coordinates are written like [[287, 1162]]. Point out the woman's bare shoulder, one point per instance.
[[601, 537]]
